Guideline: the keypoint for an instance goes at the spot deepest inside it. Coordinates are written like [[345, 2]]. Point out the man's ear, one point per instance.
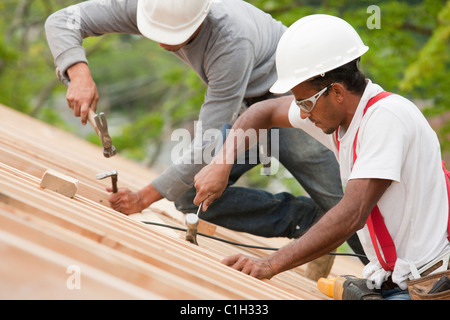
[[338, 90]]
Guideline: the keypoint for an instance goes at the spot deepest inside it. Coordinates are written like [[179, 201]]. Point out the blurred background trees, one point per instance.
[[147, 92]]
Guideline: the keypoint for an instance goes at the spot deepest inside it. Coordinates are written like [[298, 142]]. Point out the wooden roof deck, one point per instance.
[[55, 247]]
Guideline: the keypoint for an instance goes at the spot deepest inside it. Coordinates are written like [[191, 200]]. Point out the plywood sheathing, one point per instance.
[[43, 234]]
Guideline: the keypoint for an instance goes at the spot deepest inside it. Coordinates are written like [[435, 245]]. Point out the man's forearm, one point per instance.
[[149, 195], [78, 70], [263, 115], [324, 237], [335, 227]]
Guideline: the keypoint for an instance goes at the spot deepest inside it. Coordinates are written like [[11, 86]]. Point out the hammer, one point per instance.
[[112, 174], [98, 122], [101, 128], [192, 224]]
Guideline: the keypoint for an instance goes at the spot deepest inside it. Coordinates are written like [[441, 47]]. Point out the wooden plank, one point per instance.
[[119, 265], [178, 256], [49, 276], [183, 264]]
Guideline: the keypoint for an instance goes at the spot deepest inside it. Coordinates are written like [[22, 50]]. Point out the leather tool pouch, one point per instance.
[[433, 287]]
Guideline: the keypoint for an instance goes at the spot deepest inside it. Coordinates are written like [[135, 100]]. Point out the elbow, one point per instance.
[[50, 29], [361, 214], [50, 23], [62, 19], [256, 117], [273, 112], [355, 218], [359, 224]]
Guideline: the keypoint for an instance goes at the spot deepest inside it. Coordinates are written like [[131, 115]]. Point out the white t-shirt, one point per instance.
[[395, 142]]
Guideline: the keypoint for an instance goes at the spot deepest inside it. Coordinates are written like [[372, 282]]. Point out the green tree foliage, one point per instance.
[[24, 59]]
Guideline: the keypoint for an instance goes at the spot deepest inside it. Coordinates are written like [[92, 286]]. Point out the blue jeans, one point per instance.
[[282, 214], [395, 294]]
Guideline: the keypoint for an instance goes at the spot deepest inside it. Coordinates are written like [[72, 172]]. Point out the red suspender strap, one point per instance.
[[447, 179], [377, 230], [375, 222], [371, 102], [377, 98]]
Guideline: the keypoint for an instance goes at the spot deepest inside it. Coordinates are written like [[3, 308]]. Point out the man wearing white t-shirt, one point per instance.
[[389, 157]]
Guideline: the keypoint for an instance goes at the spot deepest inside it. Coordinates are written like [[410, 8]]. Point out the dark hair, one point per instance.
[[353, 79]]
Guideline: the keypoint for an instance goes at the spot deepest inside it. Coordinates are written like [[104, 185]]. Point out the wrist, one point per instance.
[[271, 265], [223, 164], [148, 195], [77, 70], [221, 171]]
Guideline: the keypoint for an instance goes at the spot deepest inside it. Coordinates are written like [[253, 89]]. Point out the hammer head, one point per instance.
[[108, 148], [113, 174], [191, 224]]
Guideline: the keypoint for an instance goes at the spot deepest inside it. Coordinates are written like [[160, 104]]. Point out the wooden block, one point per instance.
[[320, 267], [59, 183]]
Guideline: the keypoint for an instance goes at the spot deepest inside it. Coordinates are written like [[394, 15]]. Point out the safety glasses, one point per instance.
[[308, 105]]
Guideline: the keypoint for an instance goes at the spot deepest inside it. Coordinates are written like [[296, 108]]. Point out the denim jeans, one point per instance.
[[282, 214], [395, 294]]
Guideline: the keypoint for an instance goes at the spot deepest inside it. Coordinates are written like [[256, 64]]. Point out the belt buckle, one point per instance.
[[389, 284]]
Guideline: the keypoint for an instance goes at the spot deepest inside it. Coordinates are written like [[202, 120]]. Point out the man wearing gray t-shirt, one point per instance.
[[231, 45]]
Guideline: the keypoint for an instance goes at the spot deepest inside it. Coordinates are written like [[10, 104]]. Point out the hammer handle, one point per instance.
[[114, 184], [91, 118]]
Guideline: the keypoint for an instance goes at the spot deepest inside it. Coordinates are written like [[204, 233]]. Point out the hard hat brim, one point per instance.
[[281, 87], [162, 34]]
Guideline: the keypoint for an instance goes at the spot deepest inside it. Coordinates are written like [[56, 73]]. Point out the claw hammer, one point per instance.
[[113, 174], [98, 122]]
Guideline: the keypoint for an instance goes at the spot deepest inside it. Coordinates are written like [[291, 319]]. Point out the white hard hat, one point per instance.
[[313, 46], [171, 22]]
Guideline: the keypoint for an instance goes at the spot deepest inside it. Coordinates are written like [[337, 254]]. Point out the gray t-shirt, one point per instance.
[[234, 54]]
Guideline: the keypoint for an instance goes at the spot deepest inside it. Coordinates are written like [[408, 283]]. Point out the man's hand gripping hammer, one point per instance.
[[98, 122]]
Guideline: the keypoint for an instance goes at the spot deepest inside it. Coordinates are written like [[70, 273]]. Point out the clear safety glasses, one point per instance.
[[308, 105]]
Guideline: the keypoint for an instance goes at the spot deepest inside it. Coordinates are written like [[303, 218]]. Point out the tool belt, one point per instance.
[[433, 287]]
